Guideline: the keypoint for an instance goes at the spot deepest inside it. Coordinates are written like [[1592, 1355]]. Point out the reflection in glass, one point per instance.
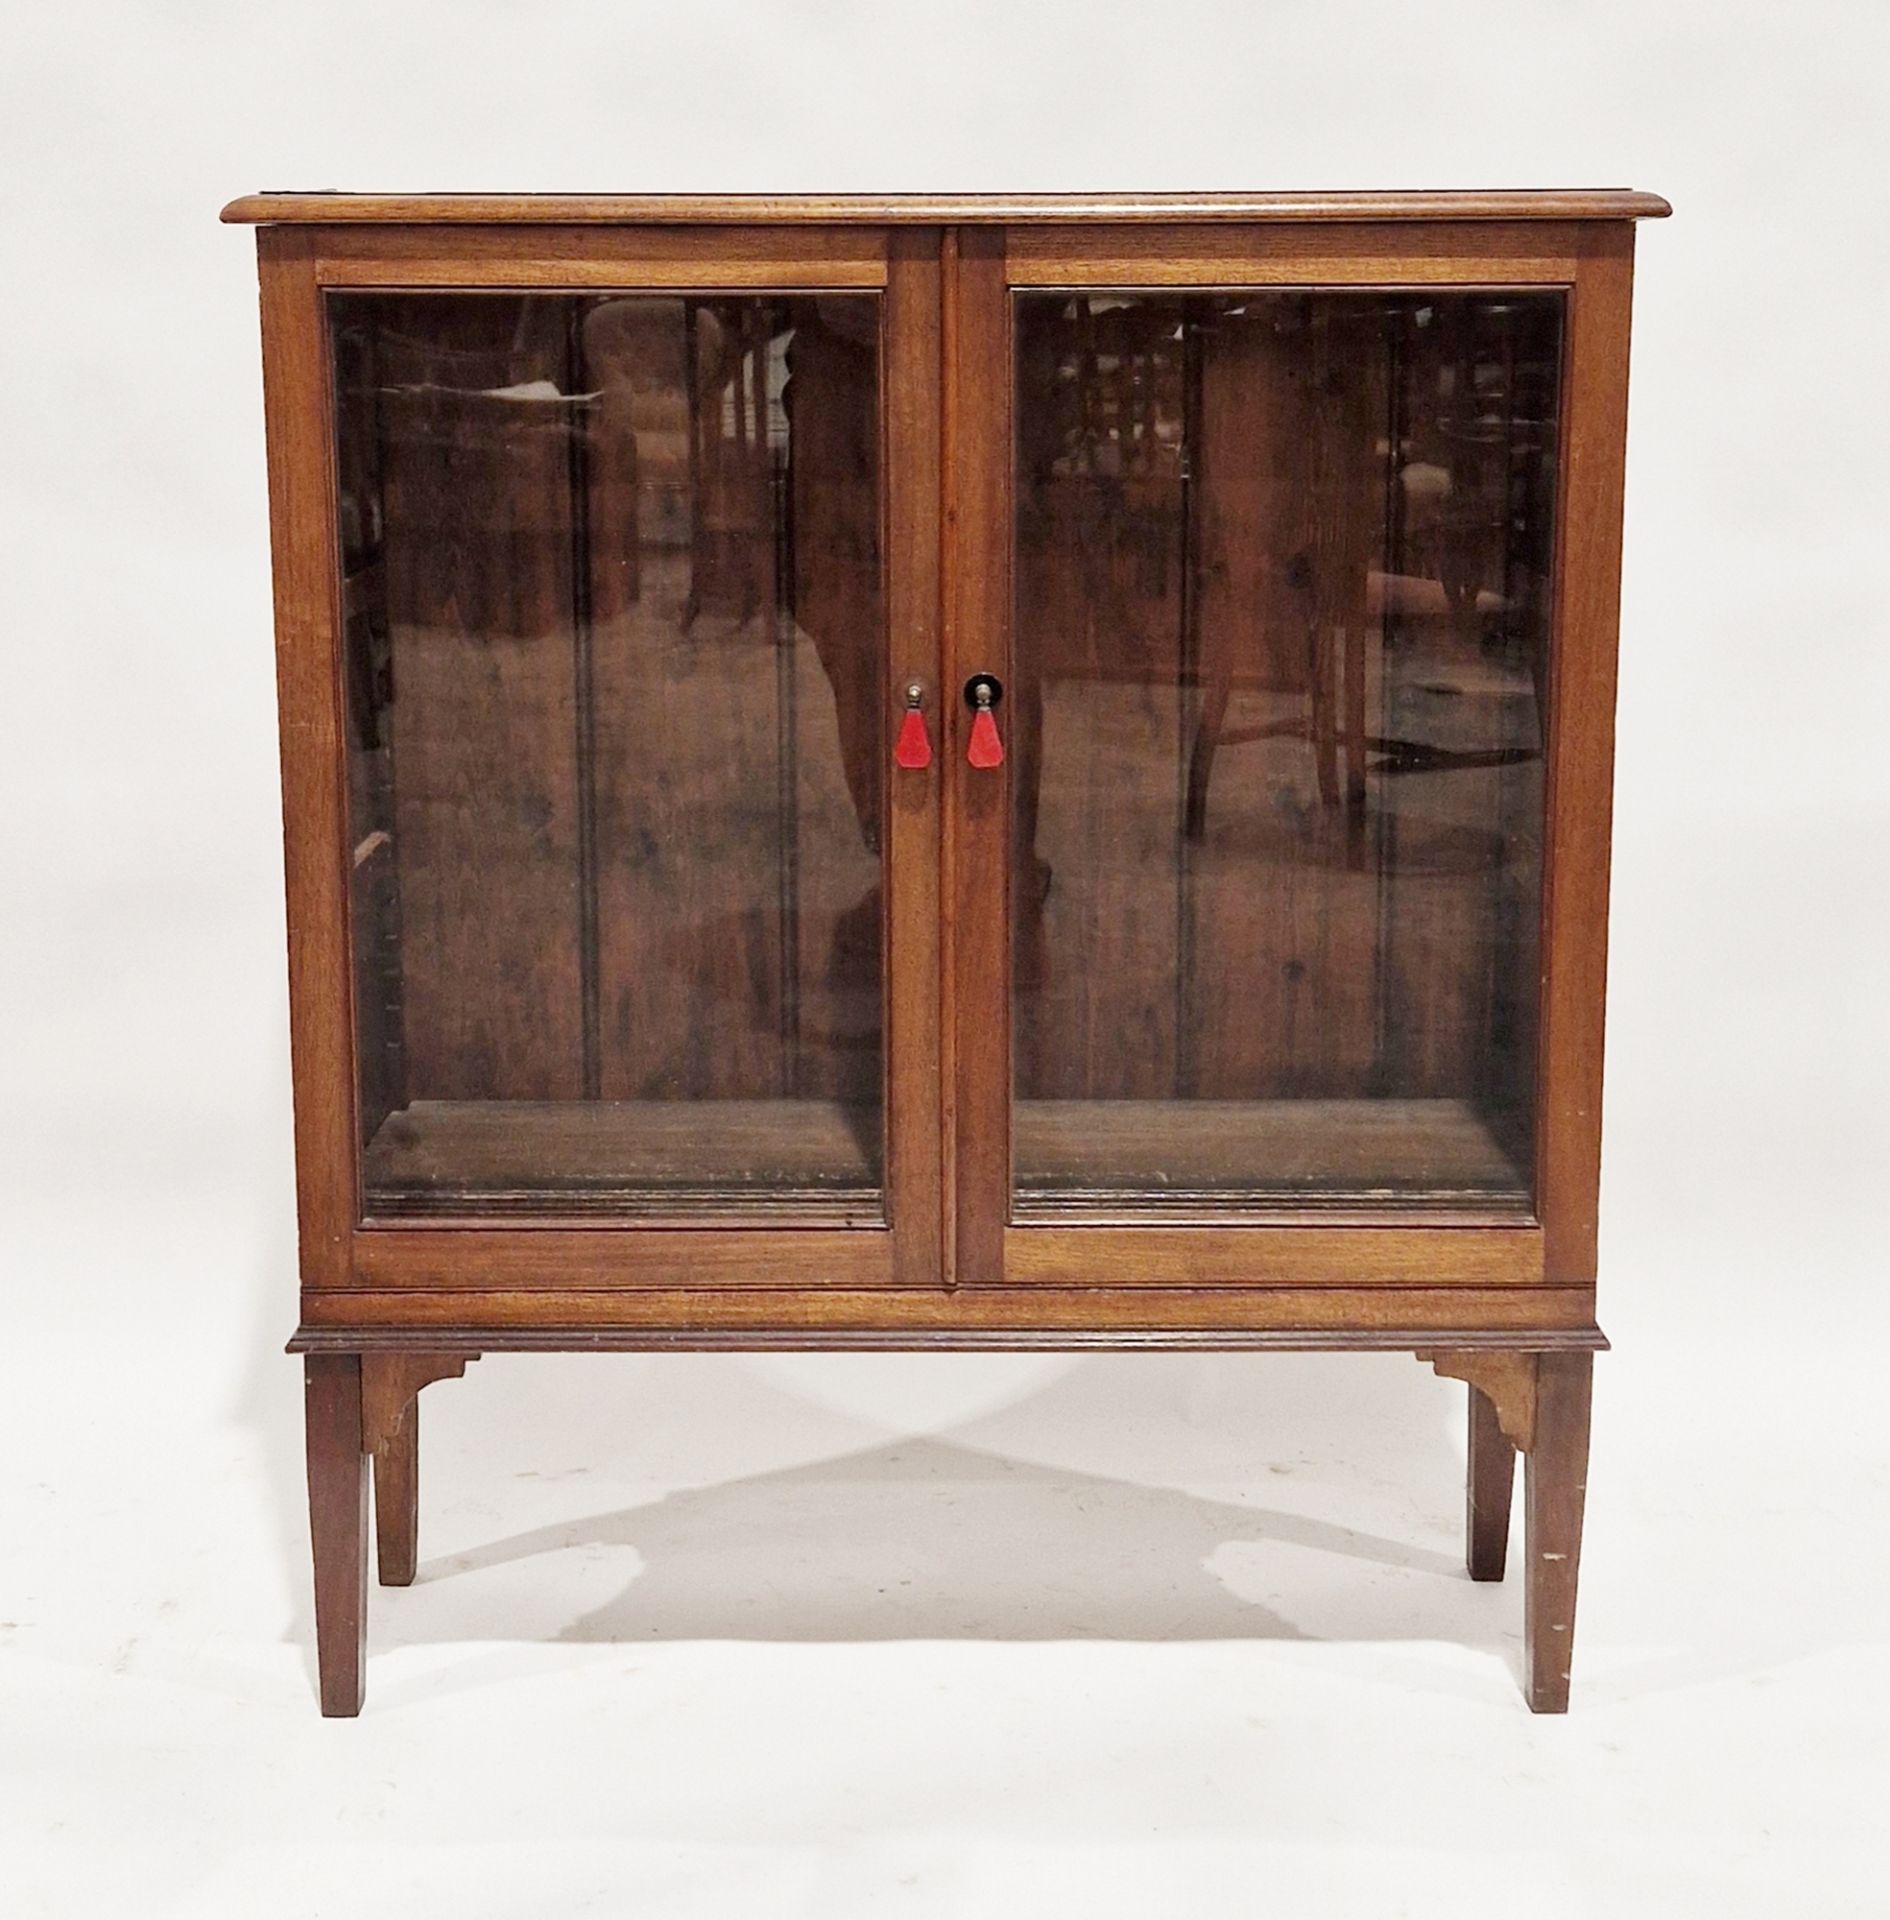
[[1283, 595], [613, 639]]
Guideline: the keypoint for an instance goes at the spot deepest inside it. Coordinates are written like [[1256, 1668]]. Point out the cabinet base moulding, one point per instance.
[[472, 1340]]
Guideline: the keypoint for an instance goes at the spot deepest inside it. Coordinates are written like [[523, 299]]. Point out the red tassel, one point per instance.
[[985, 749], [914, 748]]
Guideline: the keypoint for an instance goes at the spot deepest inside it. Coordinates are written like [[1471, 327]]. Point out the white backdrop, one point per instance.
[[1118, 1712]]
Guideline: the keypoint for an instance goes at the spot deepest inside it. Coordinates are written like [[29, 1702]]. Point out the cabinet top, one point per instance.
[[631, 209]]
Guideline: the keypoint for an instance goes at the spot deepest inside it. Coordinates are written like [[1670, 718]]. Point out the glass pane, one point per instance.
[[614, 653], [1283, 571]]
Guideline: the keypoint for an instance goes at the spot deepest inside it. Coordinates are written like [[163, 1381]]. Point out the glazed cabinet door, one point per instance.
[[633, 561], [1264, 575]]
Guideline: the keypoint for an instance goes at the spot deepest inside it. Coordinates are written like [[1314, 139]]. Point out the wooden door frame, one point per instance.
[[1591, 262], [345, 1262]]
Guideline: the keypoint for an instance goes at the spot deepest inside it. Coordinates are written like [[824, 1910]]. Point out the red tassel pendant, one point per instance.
[[984, 749], [914, 747]]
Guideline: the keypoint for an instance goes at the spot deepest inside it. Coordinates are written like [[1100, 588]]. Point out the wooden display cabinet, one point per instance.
[[975, 773]]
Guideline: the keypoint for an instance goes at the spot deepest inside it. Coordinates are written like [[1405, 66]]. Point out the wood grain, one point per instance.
[[1096, 671], [696, 760], [1556, 1490], [396, 1475], [324, 208], [338, 1525], [304, 544], [1288, 256], [482, 722], [953, 607], [660, 1254], [1251, 1257], [1099, 1307], [606, 1155], [840, 387], [912, 406], [1489, 1480], [1279, 901], [1170, 1153], [1507, 1381], [978, 388], [390, 1419], [1581, 762], [680, 259]]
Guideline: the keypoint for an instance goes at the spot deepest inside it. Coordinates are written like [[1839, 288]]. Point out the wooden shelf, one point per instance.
[[1074, 1156], [820, 1159], [814, 1158]]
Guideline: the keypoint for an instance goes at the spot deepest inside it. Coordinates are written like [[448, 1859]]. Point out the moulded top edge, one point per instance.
[[326, 208]]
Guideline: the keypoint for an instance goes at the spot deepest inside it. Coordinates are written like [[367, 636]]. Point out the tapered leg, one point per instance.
[[338, 1516], [397, 1499], [1557, 1484], [1487, 1491], [390, 1418]]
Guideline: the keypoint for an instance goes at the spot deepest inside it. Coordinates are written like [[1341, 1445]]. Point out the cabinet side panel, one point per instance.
[[301, 530], [1581, 756]]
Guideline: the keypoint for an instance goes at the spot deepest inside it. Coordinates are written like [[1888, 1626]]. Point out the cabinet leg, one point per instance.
[[1491, 1477], [390, 1385], [397, 1500], [338, 1517], [1556, 1487]]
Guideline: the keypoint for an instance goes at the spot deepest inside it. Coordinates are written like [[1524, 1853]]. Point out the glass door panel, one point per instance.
[[614, 645], [1282, 579]]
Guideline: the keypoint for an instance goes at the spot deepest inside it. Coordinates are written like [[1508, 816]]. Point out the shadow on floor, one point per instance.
[[931, 1539], [1087, 1507]]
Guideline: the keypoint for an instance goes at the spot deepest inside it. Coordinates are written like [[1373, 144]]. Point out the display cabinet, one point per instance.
[[937, 772]]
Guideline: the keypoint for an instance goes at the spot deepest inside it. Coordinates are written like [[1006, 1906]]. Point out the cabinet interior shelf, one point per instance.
[[822, 1157]]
